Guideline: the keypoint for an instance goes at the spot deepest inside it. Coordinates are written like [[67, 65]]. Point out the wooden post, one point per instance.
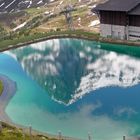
[[23, 134], [0, 127], [59, 135], [89, 136], [30, 132], [123, 137]]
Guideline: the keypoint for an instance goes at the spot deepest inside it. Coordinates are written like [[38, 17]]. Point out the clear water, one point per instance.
[[75, 86]]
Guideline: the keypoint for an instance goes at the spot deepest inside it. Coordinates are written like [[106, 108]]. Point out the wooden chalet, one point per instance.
[[119, 19]]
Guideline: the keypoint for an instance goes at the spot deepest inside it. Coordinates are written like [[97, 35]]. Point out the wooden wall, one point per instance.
[[119, 18], [134, 20], [115, 18]]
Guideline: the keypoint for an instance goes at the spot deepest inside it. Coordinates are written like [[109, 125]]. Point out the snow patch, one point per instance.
[[10, 4], [40, 2], [2, 4], [20, 26], [94, 23]]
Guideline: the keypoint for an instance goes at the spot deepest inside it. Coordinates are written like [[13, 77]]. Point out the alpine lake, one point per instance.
[[76, 87]]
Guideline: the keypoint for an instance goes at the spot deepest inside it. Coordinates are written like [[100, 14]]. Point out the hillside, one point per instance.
[[46, 15], [15, 5], [8, 132]]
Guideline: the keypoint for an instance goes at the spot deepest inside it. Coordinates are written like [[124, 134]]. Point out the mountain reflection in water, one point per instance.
[[68, 68]]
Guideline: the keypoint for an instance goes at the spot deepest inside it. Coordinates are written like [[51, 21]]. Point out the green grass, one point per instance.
[[24, 38], [33, 37], [1, 87], [12, 133]]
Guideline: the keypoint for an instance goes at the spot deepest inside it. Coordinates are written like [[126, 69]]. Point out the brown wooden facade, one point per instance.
[[113, 17], [134, 20], [119, 18]]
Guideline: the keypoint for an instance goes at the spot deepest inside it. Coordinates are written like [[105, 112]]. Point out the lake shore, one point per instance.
[[9, 89], [76, 34]]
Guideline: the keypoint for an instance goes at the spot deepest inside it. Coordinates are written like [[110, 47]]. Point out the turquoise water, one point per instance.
[[74, 86]]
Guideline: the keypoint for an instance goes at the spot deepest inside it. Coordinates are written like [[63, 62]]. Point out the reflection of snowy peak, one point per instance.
[[110, 69], [68, 69], [56, 66]]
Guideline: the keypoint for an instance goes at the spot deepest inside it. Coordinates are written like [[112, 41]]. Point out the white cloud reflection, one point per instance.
[[74, 124], [110, 69], [98, 68], [125, 110]]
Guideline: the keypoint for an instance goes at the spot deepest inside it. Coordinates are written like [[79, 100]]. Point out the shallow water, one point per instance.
[[75, 86]]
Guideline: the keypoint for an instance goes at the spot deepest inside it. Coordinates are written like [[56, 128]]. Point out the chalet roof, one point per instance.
[[117, 5], [135, 11]]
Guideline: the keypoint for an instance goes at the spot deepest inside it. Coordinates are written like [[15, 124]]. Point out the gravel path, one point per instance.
[[8, 92]]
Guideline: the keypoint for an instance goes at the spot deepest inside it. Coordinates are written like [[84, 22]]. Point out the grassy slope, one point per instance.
[[84, 13], [1, 87], [59, 21], [47, 26], [11, 133], [32, 37]]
